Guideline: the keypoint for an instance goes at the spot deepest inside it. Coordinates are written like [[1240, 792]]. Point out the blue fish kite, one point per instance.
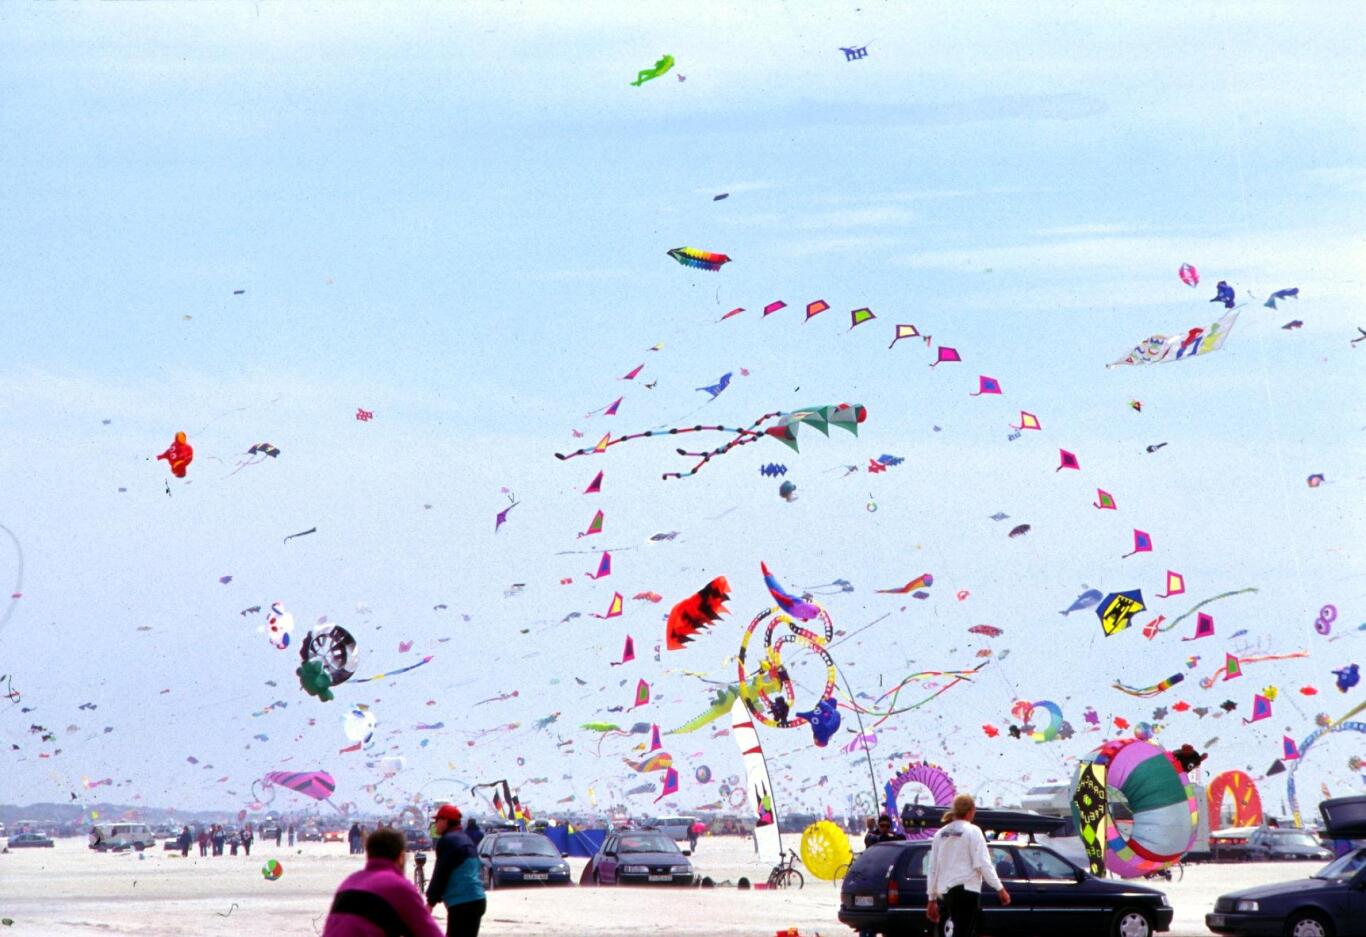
[[1282, 294], [796, 607], [1348, 677], [1086, 600], [824, 721], [715, 389]]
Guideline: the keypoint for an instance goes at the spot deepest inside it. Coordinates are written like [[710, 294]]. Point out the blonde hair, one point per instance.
[[963, 805]]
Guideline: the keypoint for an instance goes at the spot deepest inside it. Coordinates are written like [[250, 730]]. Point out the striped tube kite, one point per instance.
[[702, 260], [758, 784]]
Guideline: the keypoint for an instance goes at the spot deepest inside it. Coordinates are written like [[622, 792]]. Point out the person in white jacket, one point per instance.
[[959, 864]]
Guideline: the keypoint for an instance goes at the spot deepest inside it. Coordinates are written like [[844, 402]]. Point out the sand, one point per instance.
[[69, 890]]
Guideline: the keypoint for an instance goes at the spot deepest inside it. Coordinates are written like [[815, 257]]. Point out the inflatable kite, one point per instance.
[[649, 74], [179, 455], [931, 777], [702, 260], [1247, 802], [789, 603], [825, 850], [696, 612], [1158, 794], [776, 711]]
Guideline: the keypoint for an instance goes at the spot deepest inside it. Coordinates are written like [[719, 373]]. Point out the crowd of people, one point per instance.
[[214, 838]]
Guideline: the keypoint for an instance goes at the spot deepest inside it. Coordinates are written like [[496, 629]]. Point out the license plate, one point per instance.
[[864, 901], [661, 878], [1217, 920], [537, 876]]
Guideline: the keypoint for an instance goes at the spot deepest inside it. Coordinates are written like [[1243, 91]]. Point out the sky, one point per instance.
[[458, 218]]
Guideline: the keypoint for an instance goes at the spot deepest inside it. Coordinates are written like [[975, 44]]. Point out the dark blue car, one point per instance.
[[884, 893], [1331, 903], [509, 859]]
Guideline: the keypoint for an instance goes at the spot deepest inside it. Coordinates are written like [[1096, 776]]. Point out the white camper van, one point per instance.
[[114, 837]]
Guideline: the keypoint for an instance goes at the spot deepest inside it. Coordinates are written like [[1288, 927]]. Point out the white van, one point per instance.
[[676, 828], [114, 837]]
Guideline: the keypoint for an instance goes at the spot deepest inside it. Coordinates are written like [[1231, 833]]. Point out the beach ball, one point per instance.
[[272, 870]]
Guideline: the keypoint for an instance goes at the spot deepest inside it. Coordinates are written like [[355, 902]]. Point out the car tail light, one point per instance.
[[893, 893]]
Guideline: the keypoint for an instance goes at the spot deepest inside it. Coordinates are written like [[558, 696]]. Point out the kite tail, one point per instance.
[[1199, 605]]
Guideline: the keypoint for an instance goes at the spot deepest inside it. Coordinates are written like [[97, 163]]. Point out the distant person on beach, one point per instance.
[[473, 831], [694, 831], [279, 833], [455, 880], [247, 837], [883, 834], [354, 837], [379, 900], [184, 842], [219, 837], [870, 832], [203, 841], [291, 834], [959, 864]]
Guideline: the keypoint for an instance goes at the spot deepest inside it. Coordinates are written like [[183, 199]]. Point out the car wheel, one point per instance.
[[1308, 924], [1131, 922]]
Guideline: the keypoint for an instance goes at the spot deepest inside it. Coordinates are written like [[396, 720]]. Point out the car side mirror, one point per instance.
[[687, 852], [564, 855], [1080, 876]]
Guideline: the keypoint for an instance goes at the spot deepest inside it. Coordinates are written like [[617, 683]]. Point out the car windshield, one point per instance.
[[647, 842], [1300, 840], [1343, 867], [525, 846]]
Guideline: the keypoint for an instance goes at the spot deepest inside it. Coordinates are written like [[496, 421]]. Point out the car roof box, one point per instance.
[[928, 816], [1344, 817]]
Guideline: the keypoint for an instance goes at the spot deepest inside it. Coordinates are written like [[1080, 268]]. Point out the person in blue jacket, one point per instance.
[[455, 879]]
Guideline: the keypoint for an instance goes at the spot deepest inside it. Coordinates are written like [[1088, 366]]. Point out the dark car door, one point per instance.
[[1018, 917], [1061, 903], [485, 854], [606, 864]]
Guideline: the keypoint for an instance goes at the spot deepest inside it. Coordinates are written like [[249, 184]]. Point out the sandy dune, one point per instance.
[[70, 891]]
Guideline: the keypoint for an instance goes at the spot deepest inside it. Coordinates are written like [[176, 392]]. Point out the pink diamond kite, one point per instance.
[[946, 355]]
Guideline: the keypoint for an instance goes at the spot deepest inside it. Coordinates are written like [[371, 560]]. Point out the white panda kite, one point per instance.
[[279, 623]]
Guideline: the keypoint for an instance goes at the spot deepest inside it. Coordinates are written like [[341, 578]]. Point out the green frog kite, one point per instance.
[[662, 66]]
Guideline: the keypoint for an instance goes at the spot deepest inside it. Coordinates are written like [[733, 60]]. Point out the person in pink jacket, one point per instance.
[[379, 901]]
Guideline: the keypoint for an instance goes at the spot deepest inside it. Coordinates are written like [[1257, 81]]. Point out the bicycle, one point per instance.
[[420, 871], [784, 875], [1172, 873]]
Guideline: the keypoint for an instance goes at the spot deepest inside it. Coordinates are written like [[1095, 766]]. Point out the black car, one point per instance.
[[30, 841], [639, 857], [1332, 901], [521, 859], [1271, 844], [884, 892], [418, 840]]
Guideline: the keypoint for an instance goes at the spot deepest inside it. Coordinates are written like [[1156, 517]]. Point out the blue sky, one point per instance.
[[457, 217]]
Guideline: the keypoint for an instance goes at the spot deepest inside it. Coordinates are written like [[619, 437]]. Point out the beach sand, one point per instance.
[[68, 891]]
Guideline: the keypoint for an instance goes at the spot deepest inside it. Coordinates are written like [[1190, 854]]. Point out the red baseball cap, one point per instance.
[[448, 812]]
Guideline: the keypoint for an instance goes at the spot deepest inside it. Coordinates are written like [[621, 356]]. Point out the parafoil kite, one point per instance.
[[178, 455], [696, 612], [1160, 798], [318, 785]]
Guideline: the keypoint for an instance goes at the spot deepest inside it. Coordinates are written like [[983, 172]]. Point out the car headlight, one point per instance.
[[1246, 905], [636, 869], [1162, 900], [682, 870], [562, 867]]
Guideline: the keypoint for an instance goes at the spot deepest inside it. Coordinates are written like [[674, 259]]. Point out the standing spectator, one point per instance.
[[959, 864], [184, 842], [219, 838], [203, 841], [380, 900], [883, 834], [473, 831], [279, 832], [869, 832], [694, 831], [355, 838], [455, 880], [291, 834], [247, 837]]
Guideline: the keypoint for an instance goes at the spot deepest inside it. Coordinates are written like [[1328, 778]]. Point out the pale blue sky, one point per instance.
[[457, 217]]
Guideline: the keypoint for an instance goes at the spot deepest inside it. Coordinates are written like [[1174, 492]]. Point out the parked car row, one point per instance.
[[29, 841], [885, 893], [628, 857]]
